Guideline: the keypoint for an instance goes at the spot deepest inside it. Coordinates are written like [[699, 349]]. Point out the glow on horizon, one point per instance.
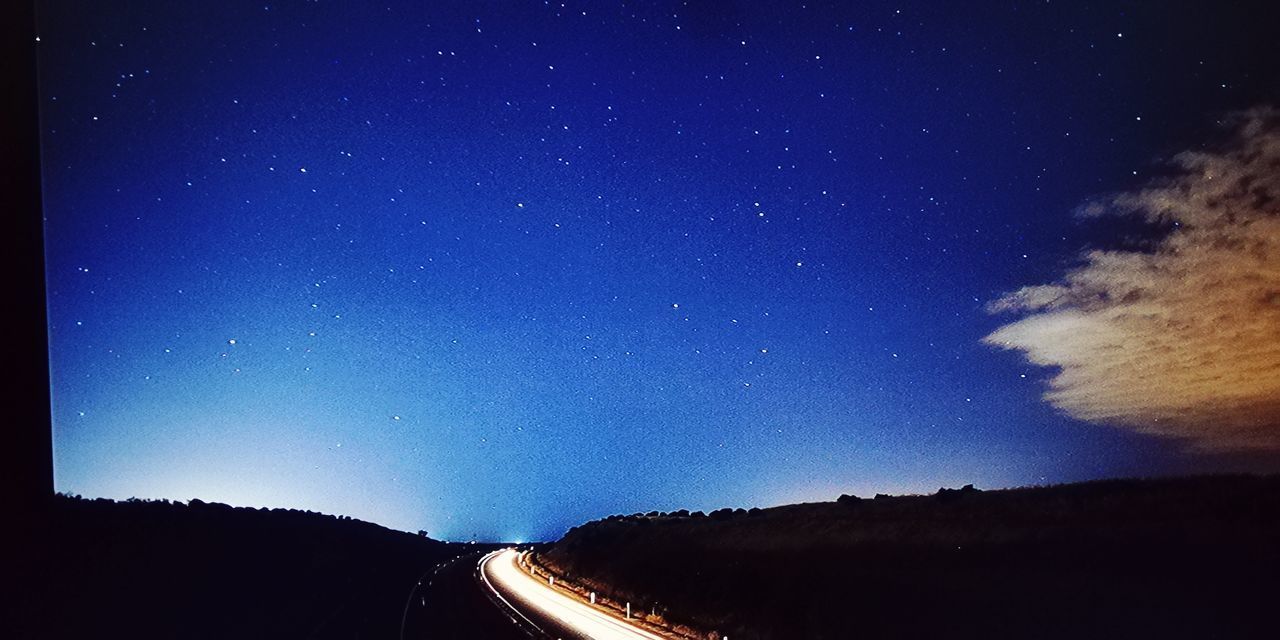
[[390, 265]]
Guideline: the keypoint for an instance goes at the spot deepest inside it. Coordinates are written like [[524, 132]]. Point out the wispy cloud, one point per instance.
[[1182, 340]]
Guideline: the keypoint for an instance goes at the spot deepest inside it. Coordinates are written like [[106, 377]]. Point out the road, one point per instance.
[[451, 603], [546, 610]]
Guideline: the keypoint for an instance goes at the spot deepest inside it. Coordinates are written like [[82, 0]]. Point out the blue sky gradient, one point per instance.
[[491, 270]]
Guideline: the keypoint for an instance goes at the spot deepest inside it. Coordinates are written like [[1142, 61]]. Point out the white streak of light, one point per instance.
[[512, 580]]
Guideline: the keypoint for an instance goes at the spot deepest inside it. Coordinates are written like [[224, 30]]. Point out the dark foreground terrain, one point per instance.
[[1180, 558], [103, 569]]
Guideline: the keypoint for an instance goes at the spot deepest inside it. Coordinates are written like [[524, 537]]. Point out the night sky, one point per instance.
[[494, 269]]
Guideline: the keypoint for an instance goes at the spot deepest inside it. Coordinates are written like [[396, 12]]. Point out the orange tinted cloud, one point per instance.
[[1182, 340]]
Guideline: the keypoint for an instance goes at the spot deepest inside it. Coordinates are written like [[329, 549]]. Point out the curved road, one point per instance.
[[451, 603], [537, 606]]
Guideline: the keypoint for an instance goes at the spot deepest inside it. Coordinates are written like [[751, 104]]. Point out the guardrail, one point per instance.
[[593, 595]]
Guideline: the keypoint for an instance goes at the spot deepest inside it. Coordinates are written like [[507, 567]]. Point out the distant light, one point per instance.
[[231, 341], [675, 305]]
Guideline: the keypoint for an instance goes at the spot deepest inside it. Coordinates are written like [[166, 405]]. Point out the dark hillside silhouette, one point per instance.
[[156, 569], [1179, 558]]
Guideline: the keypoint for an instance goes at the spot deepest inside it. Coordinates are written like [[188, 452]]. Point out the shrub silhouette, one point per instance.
[[155, 569], [1174, 558], [848, 499]]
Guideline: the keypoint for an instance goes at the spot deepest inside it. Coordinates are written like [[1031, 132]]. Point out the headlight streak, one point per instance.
[[502, 574]]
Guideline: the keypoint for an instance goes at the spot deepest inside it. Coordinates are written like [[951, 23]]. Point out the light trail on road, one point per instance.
[[503, 574]]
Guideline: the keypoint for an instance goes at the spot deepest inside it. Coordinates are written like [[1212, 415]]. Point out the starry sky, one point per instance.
[[491, 269]]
